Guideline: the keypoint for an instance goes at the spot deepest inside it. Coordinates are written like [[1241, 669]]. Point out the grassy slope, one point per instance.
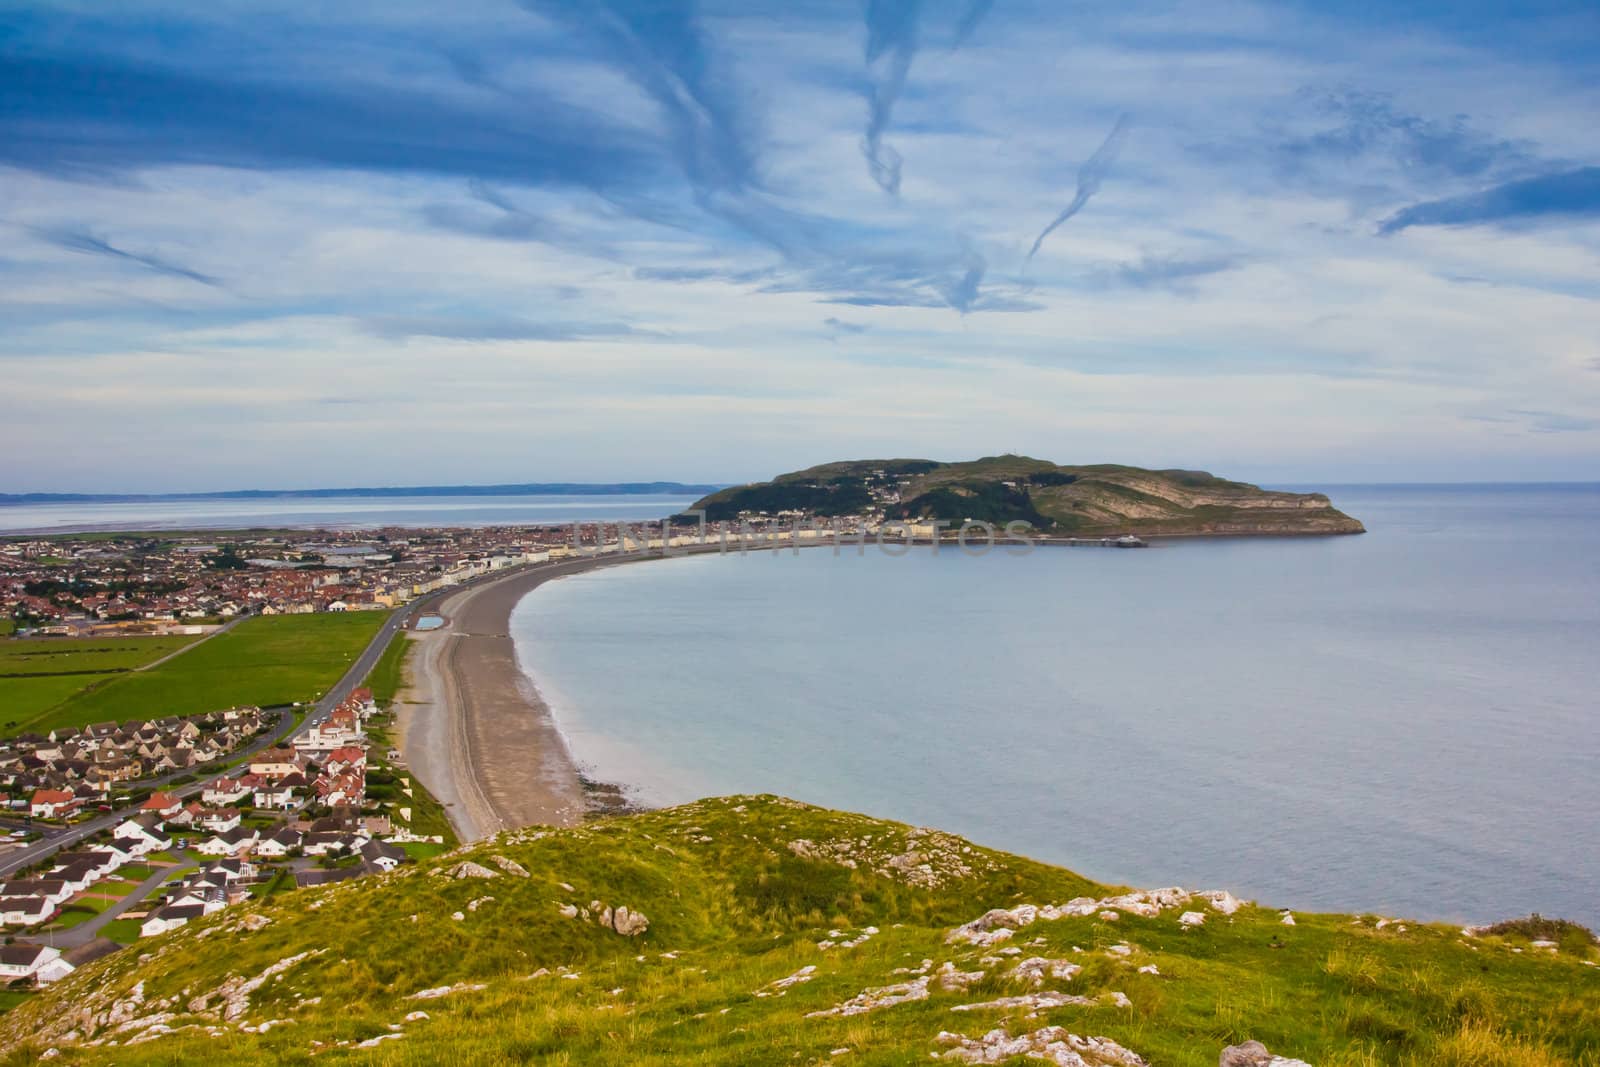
[[389, 674], [274, 659], [732, 909]]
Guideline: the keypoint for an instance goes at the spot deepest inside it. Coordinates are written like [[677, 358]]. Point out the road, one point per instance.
[[89, 929], [353, 676]]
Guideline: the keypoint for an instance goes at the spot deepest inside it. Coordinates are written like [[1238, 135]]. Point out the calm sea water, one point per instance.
[[337, 512], [1404, 721]]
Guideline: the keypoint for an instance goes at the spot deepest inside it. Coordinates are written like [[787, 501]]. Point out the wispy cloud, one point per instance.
[[89, 244], [1166, 272], [976, 12], [1368, 124], [465, 328], [1537, 421], [663, 49], [1570, 194], [891, 38], [1090, 177], [96, 115]]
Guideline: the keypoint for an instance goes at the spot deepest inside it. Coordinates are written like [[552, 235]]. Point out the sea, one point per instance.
[[1403, 722], [343, 512]]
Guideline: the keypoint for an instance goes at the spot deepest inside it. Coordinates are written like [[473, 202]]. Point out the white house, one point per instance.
[[140, 836], [382, 856], [169, 918], [220, 820], [52, 889], [279, 844], [51, 803], [227, 843], [277, 796], [42, 964], [25, 911], [224, 791]]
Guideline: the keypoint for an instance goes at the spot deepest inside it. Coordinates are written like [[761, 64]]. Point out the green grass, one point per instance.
[[122, 931], [275, 659], [10, 998], [51, 655], [38, 674], [8, 626], [732, 908], [79, 911], [423, 850], [25, 701], [388, 676]]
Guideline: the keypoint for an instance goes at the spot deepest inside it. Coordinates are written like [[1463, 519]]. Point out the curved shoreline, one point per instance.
[[475, 729], [476, 732]]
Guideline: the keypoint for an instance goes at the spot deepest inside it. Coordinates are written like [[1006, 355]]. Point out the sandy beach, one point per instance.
[[473, 727]]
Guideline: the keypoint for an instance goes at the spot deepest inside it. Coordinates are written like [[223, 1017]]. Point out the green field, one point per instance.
[[275, 659], [37, 674], [68, 655]]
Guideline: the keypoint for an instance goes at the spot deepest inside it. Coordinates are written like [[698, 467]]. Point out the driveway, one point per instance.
[[85, 932]]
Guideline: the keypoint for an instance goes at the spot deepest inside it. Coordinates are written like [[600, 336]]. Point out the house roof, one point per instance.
[[22, 955]]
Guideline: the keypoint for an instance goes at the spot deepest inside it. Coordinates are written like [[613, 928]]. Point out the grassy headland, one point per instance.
[[773, 927], [1091, 500]]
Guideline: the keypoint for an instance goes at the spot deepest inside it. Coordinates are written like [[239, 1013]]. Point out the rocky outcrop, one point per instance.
[[1000, 924], [1052, 1044], [919, 857], [467, 869], [629, 922], [1255, 1054]]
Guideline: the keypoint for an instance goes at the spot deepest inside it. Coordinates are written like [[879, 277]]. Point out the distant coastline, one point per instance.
[[519, 489]]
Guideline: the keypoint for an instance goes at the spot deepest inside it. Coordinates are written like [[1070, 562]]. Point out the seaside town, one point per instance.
[[325, 808], [110, 583], [193, 813], [105, 584]]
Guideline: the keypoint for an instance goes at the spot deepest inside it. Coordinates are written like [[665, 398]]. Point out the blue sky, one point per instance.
[[393, 243]]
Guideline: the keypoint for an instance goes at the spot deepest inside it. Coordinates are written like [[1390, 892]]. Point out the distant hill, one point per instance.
[[759, 931], [520, 489], [1096, 499]]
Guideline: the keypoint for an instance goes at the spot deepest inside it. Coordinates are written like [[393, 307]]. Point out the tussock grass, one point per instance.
[[733, 908]]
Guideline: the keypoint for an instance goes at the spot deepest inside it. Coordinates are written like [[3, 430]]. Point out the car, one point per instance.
[[18, 833]]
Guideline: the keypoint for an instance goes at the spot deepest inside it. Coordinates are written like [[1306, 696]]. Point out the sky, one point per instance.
[[387, 243]]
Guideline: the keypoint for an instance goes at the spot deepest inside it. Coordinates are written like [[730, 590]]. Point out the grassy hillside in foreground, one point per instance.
[[1086, 500], [435, 965], [272, 659]]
